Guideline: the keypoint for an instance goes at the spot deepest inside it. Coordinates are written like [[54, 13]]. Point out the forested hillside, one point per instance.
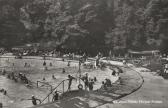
[[85, 24]]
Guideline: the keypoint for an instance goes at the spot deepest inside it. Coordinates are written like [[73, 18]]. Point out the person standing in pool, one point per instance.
[[63, 70], [44, 63], [25, 65], [68, 63], [90, 84], [86, 80]]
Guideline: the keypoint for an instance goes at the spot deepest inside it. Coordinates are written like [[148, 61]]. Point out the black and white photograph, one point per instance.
[[83, 53]]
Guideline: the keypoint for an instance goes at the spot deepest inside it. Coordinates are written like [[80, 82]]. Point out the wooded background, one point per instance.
[[116, 25]]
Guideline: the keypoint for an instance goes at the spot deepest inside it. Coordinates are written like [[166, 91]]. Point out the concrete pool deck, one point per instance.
[[152, 94]]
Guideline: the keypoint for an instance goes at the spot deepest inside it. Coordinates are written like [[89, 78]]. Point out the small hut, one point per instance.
[[139, 54]]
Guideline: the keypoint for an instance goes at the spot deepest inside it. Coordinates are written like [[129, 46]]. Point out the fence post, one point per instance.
[[63, 86], [48, 98], [37, 84], [51, 88], [1, 105]]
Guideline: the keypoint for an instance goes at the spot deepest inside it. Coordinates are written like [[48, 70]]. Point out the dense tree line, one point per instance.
[[116, 25]]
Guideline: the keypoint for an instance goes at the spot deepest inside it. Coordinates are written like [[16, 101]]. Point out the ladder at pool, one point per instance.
[[62, 91], [52, 90]]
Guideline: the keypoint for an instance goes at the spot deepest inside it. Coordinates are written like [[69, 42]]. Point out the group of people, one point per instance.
[[166, 68], [71, 55], [88, 82], [45, 65], [3, 91], [26, 64], [105, 84], [22, 77], [96, 64]]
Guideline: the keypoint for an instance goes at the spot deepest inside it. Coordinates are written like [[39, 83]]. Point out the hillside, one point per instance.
[[85, 24]]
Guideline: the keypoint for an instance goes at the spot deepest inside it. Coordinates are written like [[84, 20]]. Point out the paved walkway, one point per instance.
[[152, 94]]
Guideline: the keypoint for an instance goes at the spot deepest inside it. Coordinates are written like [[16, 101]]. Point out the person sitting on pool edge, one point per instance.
[[108, 82], [103, 86], [25, 79], [34, 100], [55, 97]]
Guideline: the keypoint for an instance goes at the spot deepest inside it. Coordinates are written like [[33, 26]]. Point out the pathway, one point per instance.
[[152, 94]]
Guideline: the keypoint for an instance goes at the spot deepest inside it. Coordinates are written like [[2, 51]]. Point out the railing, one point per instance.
[[45, 84], [63, 89], [48, 96]]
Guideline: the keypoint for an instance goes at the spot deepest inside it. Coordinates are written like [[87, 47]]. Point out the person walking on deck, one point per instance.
[[70, 78]]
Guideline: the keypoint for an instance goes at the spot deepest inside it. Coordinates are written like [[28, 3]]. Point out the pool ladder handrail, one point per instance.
[[62, 82]]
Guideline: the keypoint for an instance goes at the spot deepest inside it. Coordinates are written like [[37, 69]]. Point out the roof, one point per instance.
[[144, 52]]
